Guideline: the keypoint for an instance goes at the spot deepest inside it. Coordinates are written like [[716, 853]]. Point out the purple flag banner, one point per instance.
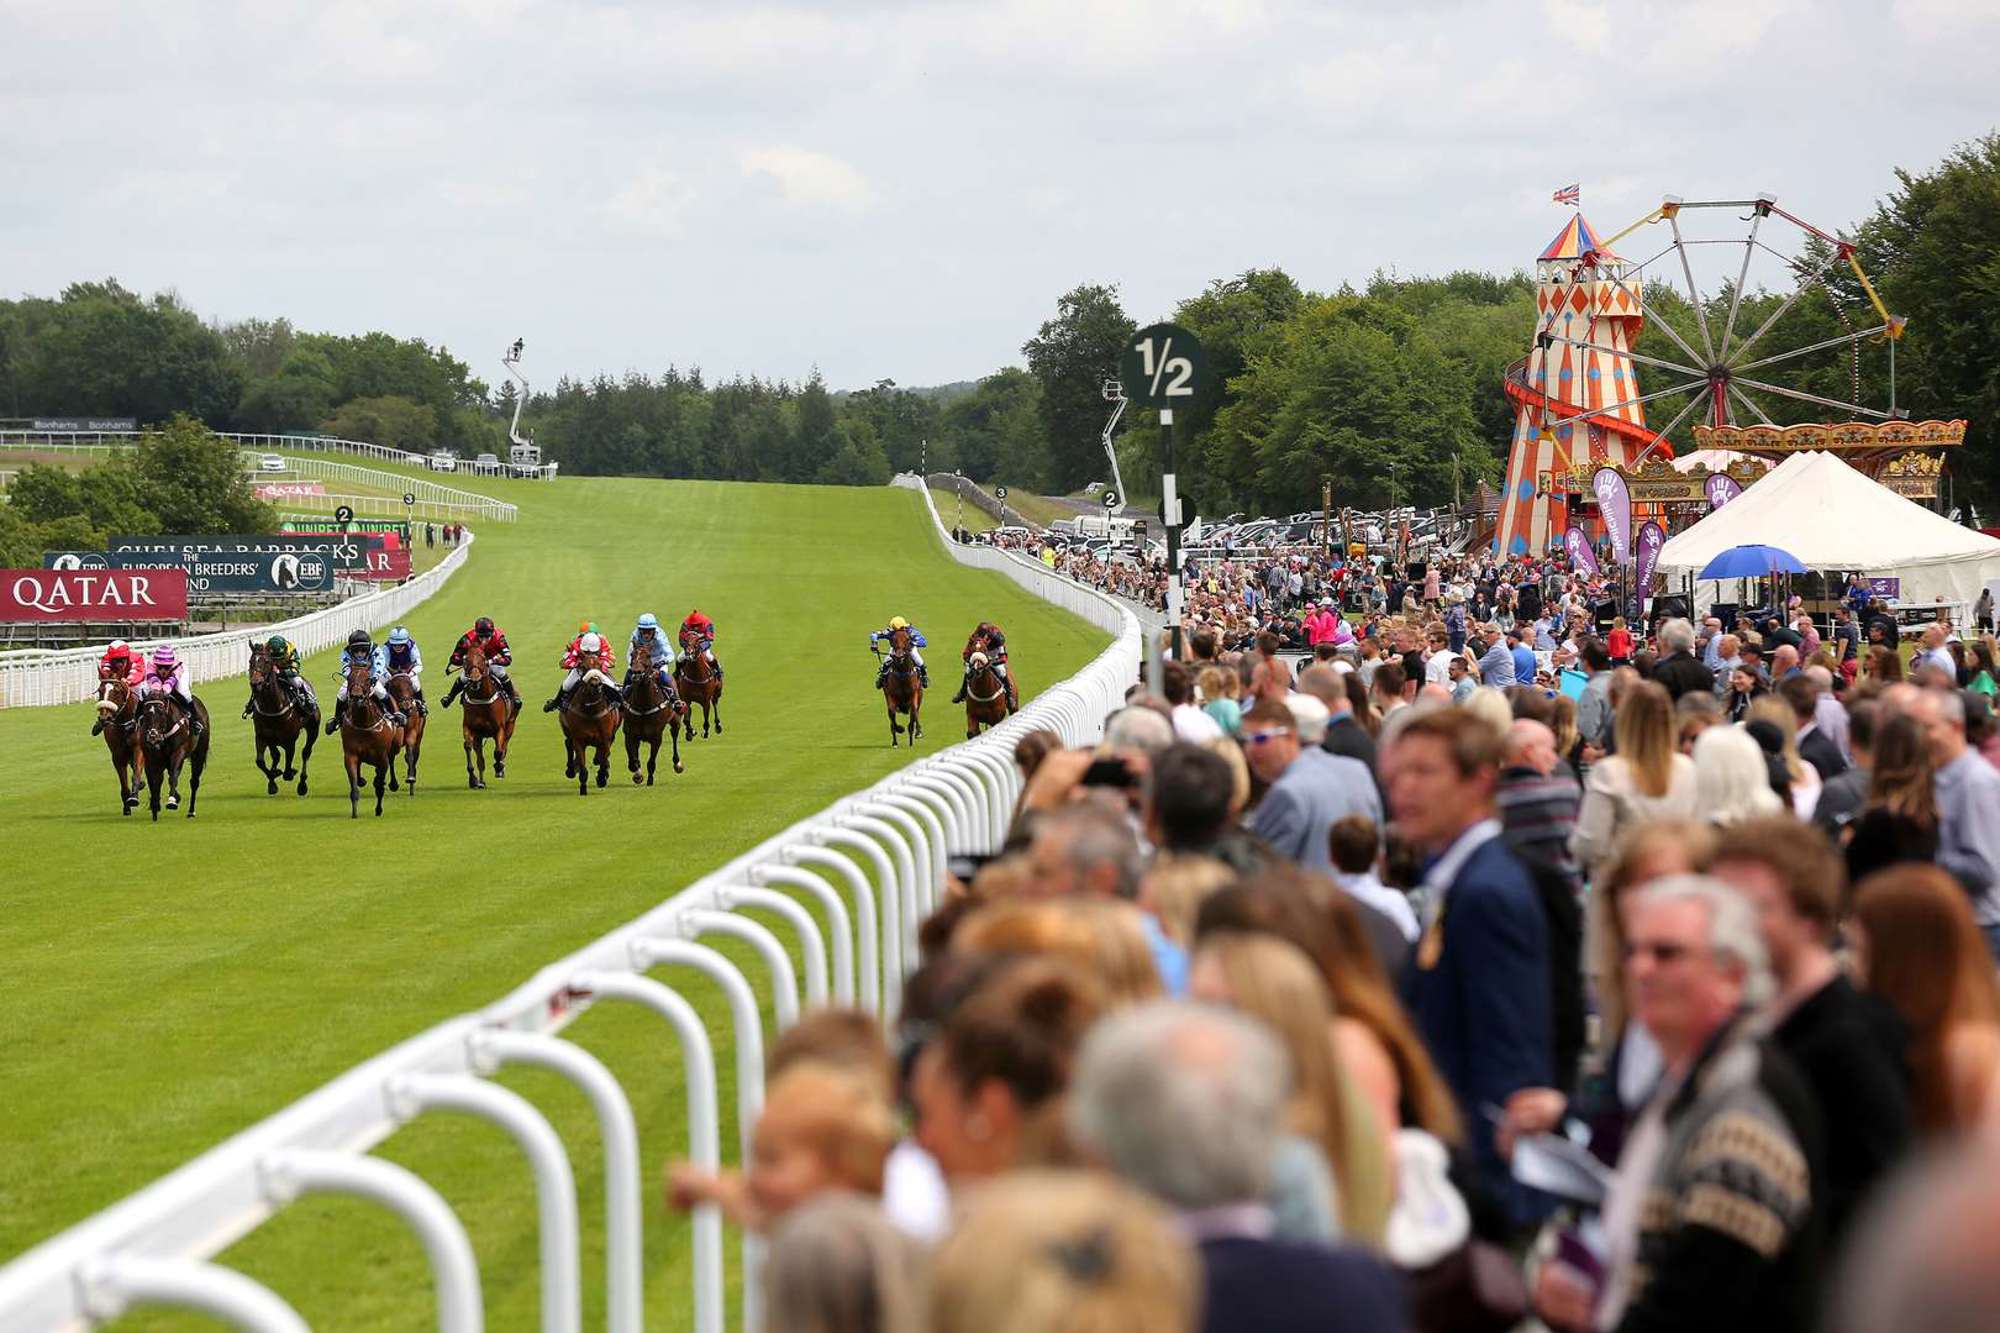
[[1651, 538], [1614, 502], [1581, 555], [1721, 488]]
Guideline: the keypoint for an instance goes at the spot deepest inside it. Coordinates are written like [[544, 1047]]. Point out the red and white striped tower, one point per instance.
[[1573, 403]]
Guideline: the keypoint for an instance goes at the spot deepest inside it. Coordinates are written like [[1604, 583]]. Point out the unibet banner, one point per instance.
[[302, 523]]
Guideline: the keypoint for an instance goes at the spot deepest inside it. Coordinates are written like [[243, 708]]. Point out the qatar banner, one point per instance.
[[288, 490], [1581, 555], [1614, 502], [94, 595], [1651, 538], [1721, 488]]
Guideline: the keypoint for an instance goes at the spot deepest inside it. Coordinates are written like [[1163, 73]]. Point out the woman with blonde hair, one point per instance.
[[1102, 937], [1917, 946], [1805, 780], [1063, 1252], [1173, 888], [1274, 982], [1648, 780], [1731, 782]]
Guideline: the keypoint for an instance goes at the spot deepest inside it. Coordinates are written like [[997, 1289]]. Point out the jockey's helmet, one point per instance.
[[399, 635], [590, 643], [483, 626], [583, 627], [277, 644], [649, 621], [118, 648], [360, 639], [897, 622], [164, 655]]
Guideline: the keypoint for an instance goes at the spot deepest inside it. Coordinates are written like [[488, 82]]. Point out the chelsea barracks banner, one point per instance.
[[93, 595]]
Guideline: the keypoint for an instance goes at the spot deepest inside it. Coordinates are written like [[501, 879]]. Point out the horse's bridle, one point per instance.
[[999, 686], [667, 697], [155, 737], [270, 677]]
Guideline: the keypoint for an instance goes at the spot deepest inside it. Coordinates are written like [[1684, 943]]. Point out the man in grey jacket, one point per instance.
[[1309, 788], [1593, 709]]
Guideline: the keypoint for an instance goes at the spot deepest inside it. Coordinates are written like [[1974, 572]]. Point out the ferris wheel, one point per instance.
[[1724, 365]]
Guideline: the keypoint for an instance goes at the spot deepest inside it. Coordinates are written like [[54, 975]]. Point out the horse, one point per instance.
[[168, 742], [279, 720], [985, 695], [590, 721], [698, 685], [650, 712], [117, 720], [488, 712], [367, 736], [902, 689], [404, 691]]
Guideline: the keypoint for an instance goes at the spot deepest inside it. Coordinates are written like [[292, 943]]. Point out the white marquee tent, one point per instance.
[[1834, 519]]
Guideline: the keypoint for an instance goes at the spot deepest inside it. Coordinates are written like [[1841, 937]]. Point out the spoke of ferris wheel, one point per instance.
[[1813, 347], [1659, 322], [1805, 397], [1750, 403], [1694, 292], [1659, 436], [1736, 296], [1610, 409], [1743, 348], [1631, 355]]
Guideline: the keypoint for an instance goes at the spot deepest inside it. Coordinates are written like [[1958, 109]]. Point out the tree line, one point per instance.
[[1393, 389]]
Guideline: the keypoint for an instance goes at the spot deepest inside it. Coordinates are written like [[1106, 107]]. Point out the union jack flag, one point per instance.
[[1569, 194]]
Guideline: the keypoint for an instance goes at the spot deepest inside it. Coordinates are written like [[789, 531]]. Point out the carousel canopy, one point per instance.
[[1574, 241], [1834, 519]]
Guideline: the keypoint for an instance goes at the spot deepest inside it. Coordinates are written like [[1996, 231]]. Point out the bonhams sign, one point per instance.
[[95, 595]]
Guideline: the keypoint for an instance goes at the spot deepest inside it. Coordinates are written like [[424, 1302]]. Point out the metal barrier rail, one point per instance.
[[67, 676], [111, 441], [450, 499], [860, 874]]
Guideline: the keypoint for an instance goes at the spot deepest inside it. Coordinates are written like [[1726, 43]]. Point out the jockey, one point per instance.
[[492, 644], [588, 652], [121, 663], [168, 676], [649, 649], [360, 651], [400, 655], [701, 625], [917, 641], [989, 639], [283, 656]]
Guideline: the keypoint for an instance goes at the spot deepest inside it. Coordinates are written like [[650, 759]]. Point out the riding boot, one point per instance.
[[881, 675], [423, 709], [1013, 695], [561, 697], [339, 711], [249, 704], [457, 684], [924, 676], [97, 727], [963, 685], [513, 692]]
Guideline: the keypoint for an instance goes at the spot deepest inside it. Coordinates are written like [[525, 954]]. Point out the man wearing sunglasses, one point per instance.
[[1309, 788]]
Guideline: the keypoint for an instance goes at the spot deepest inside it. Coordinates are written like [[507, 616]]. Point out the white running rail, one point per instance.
[[69, 675], [861, 873], [111, 441], [437, 500]]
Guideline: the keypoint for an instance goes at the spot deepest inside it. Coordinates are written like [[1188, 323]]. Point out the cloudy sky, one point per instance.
[[902, 190]]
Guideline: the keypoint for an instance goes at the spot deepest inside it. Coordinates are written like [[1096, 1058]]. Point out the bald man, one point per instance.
[[1538, 797]]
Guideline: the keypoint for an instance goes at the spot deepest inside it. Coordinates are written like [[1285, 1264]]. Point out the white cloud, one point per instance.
[[653, 202], [810, 180]]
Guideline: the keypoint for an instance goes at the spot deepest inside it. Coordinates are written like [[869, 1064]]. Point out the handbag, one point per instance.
[[1457, 1282]]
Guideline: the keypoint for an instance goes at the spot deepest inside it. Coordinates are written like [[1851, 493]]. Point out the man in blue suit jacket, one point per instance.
[[1479, 988]]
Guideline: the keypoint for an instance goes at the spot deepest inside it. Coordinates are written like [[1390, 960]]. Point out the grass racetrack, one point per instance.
[[174, 983]]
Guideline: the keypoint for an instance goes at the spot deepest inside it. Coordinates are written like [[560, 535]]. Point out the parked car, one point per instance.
[[273, 463], [486, 463], [443, 461]]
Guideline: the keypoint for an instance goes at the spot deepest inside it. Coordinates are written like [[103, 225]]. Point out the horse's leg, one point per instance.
[[503, 736], [311, 733], [603, 761], [632, 754], [411, 752], [895, 727], [153, 776], [472, 748], [385, 767], [127, 780], [652, 759], [267, 761], [579, 767], [570, 754], [352, 761], [718, 708], [174, 783], [674, 736], [196, 763]]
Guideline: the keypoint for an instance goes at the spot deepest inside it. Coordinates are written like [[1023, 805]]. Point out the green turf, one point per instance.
[[953, 512], [173, 983]]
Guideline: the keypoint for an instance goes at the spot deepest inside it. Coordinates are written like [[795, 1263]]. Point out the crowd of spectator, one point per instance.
[[1489, 969]]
